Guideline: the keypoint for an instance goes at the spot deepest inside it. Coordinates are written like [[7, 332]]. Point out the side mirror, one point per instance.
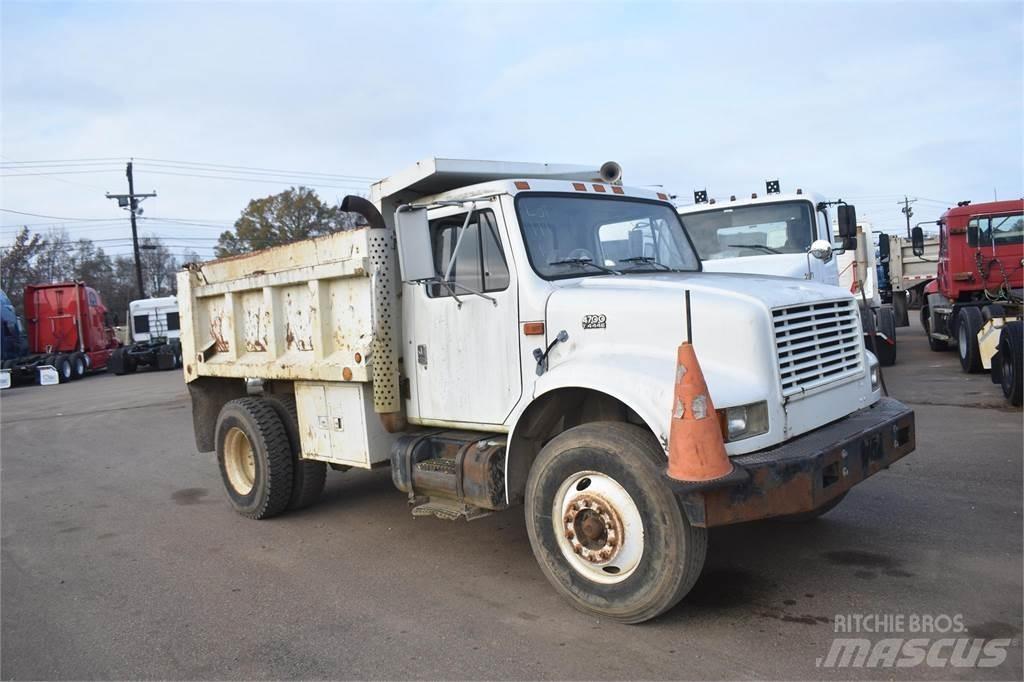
[[917, 241], [972, 233], [821, 250], [415, 256], [883, 247], [847, 217]]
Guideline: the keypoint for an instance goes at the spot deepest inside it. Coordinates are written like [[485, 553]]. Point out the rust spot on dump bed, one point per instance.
[[220, 344]]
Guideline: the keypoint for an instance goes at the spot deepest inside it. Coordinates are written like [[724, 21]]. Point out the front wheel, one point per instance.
[[969, 323], [605, 528]]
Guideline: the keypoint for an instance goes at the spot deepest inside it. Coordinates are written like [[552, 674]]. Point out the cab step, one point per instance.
[[449, 510]]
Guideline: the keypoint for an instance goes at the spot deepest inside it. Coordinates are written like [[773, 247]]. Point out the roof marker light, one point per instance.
[[618, 190], [753, 195], [799, 191], [599, 188], [579, 187], [522, 184], [711, 201], [732, 197], [662, 196]]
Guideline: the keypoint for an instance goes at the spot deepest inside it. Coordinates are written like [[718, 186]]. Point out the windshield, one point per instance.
[[785, 227], [571, 236]]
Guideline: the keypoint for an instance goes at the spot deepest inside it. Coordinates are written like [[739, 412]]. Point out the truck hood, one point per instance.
[[768, 290], [630, 326], [780, 264]]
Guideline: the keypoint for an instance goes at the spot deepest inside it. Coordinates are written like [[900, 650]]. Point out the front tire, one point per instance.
[[255, 458], [604, 526], [969, 323]]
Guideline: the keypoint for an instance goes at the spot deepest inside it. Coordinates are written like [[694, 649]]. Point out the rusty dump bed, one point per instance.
[[317, 310], [808, 472]]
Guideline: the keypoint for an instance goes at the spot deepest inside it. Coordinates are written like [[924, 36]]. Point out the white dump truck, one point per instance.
[[505, 334], [791, 234], [154, 336]]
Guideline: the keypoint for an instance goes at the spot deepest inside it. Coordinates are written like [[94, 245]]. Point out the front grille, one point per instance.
[[817, 344]]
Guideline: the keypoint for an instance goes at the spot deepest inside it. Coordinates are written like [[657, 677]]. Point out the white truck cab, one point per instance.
[[506, 333], [793, 234]]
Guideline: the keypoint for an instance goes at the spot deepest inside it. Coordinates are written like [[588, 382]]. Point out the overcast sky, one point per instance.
[[864, 101]]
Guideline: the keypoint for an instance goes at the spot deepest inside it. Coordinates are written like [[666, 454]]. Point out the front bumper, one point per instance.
[[806, 473]]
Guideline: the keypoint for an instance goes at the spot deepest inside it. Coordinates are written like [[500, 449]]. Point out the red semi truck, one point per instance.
[[68, 328], [975, 302]]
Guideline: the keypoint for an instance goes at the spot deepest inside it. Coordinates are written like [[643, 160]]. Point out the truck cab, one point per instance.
[[976, 299], [794, 235], [509, 333], [154, 329]]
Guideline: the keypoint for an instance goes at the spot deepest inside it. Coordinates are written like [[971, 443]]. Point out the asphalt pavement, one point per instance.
[[121, 559]]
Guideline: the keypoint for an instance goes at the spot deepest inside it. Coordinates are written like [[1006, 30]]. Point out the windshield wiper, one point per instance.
[[753, 246], [585, 261], [648, 260]]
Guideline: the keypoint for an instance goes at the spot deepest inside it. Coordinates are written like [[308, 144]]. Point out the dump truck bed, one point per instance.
[[316, 310]]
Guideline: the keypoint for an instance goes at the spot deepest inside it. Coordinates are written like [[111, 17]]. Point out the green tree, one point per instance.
[[17, 263], [294, 214]]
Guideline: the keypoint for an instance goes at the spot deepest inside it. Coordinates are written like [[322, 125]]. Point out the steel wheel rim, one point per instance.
[[598, 527], [239, 461]]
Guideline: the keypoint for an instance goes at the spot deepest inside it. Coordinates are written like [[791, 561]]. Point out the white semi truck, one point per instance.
[[794, 235], [154, 336], [506, 334]]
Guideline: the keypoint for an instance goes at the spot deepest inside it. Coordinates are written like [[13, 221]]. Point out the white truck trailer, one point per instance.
[[505, 334], [905, 273], [790, 234]]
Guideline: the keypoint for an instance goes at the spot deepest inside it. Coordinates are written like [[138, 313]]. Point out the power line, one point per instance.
[[256, 169], [54, 217], [283, 181]]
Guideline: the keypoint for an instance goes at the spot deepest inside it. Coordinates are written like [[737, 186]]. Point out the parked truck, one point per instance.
[[791, 235], [154, 332], [905, 274], [975, 302], [67, 328], [506, 334]]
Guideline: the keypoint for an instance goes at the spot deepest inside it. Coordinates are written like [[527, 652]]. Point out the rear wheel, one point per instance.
[[605, 528], [255, 458], [78, 365], [65, 373], [1011, 348], [886, 346], [310, 475], [969, 323]]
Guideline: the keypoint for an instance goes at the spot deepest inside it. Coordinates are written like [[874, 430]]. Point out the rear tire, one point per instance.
[[309, 475], [255, 458], [65, 373], [969, 323], [624, 551], [1011, 348], [887, 326], [78, 365]]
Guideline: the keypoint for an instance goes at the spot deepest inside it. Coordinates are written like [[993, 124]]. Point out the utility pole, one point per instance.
[[130, 202], [907, 211]]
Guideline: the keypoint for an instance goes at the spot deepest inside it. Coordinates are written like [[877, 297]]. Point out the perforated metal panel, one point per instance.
[[384, 356]]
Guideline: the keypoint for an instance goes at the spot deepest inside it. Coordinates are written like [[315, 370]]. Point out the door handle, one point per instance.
[[421, 354]]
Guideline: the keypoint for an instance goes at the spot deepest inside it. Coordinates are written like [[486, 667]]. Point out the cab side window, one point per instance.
[[480, 263]]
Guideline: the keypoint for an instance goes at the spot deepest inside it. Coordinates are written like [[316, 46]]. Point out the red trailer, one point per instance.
[[68, 328]]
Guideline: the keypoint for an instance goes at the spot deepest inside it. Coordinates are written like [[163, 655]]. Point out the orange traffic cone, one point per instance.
[[696, 451]]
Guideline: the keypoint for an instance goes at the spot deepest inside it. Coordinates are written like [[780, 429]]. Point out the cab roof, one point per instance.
[[775, 198]]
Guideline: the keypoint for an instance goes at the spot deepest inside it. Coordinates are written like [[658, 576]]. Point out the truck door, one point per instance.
[[464, 347], [826, 273]]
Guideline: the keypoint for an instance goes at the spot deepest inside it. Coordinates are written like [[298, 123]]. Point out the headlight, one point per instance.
[[743, 421]]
